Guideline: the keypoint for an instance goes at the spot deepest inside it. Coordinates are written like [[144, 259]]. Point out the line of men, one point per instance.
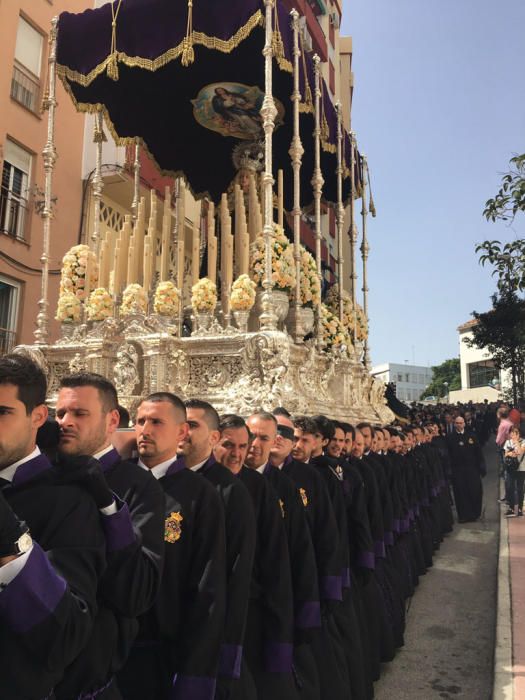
[[261, 559]]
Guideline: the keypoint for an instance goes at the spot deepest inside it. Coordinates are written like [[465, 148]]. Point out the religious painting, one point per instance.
[[233, 109]]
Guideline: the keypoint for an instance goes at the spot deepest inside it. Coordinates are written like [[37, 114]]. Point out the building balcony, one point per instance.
[[7, 341], [13, 213]]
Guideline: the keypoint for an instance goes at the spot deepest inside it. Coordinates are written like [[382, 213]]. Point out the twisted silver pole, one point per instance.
[[49, 155], [136, 184], [340, 213], [97, 183], [317, 184], [268, 318], [296, 154], [365, 249]]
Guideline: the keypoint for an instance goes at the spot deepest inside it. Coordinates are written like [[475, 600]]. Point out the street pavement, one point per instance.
[[450, 633]]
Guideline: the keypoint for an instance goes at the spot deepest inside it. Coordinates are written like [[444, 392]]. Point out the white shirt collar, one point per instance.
[[160, 469], [199, 465], [261, 468], [103, 452], [9, 472]]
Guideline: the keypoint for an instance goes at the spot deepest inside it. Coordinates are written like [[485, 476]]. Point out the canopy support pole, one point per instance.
[[352, 238], [49, 155], [365, 249], [97, 183], [136, 183], [296, 154], [340, 214], [268, 318], [317, 184]]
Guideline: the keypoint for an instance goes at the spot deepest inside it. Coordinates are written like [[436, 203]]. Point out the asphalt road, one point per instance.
[[449, 639]]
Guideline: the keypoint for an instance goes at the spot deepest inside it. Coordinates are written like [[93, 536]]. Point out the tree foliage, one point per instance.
[[501, 331], [445, 377], [508, 260]]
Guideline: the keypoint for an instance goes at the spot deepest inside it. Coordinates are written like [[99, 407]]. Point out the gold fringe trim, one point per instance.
[[188, 54], [308, 105], [198, 39]]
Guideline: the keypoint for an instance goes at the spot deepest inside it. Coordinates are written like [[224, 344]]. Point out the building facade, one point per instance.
[[480, 379], [410, 380], [24, 31]]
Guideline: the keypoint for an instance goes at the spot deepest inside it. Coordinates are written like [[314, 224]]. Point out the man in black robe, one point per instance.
[[268, 645], [468, 467], [233, 680], [307, 609], [48, 584], [88, 416], [177, 651]]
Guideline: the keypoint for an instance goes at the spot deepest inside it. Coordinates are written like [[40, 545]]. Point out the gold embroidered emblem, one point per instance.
[[304, 497], [281, 504], [172, 528], [470, 441], [339, 472]]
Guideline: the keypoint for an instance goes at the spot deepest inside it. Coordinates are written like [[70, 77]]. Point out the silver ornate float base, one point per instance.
[[236, 372]]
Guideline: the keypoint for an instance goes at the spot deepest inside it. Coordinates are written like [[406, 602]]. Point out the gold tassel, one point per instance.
[[99, 135], [188, 54], [277, 39], [45, 104], [325, 131], [112, 66], [372, 207]]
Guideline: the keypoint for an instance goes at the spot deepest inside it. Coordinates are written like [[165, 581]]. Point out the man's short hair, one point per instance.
[[106, 390], [264, 415], [167, 397], [306, 424], [28, 378], [124, 417], [281, 411], [364, 424], [231, 421], [210, 414], [325, 427], [504, 412]]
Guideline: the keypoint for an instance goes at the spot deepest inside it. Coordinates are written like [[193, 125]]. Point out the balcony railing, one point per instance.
[[13, 210], [25, 89], [7, 340]]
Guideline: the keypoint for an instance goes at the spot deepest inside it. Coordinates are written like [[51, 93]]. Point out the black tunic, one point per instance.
[[129, 586], [177, 650], [47, 610], [240, 546], [467, 465]]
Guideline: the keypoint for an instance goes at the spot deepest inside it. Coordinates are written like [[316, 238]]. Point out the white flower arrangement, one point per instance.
[[334, 333], [349, 319], [74, 267], [204, 296], [134, 300], [167, 299], [310, 285], [243, 294], [283, 264], [99, 305], [68, 308]]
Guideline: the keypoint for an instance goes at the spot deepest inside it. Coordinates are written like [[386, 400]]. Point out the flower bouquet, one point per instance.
[[310, 285], [68, 308], [75, 265], [99, 305], [204, 296], [283, 265], [166, 301], [134, 300], [243, 294], [334, 334]]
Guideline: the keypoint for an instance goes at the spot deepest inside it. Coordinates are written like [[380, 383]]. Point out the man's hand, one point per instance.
[[11, 528], [86, 472]]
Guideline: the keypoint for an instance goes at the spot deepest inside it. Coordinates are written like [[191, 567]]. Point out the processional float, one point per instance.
[[188, 85]]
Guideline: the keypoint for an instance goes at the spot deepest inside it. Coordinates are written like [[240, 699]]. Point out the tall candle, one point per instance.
[[195, 252], [131, 259], [117, 271], [87, 278], [212, 259], [147, 264], [280, 198]]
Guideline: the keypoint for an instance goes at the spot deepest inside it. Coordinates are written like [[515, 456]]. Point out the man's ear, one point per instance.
[[114, 420], [215, 436], [39, 415]]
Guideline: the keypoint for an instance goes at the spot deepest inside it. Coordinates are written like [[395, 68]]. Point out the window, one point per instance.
[[9, 299], [25, 82], [483, 374], [407, 377], [14, 190], [399, 377]]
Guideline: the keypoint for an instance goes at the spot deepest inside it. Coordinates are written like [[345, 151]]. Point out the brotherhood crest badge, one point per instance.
[[172, 528], [339, 472], [281, 504], [304, 497], [470, 441]]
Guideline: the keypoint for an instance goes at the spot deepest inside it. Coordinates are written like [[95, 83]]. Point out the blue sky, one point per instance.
[[439, 109]]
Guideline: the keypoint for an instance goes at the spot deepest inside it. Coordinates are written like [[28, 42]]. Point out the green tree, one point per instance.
[[508, 260], [445, 377], [501, 331]]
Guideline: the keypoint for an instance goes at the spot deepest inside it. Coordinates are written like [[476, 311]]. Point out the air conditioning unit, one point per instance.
[[305, 35], [335, 20]]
